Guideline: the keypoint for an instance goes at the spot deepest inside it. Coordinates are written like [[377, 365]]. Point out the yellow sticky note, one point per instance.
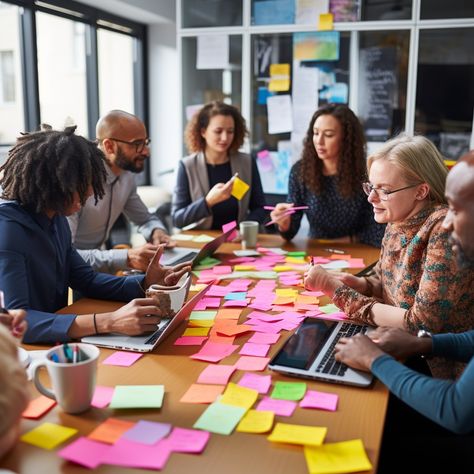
[[239, 396], [243, 268], [282, 268], [256, 421], [240, 188], [196, 332], [282, 69], [48, 435], [279, 78], [286, 292], [298, 434], [200, 323], [347, 456], [326, 21], [279, 85], [197, 287], [296, 260]]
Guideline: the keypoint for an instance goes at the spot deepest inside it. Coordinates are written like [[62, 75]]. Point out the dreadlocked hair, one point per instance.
[[45, 168], [351, 166]]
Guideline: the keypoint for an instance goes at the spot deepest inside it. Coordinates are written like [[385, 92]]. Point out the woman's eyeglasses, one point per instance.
[[381, 193]]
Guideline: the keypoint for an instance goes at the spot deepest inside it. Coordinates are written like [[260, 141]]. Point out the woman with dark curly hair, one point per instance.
[[328, 179], [202, 195]]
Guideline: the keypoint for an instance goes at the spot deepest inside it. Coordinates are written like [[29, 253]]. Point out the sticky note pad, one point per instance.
[[86, 452], [346, 456], [239, 396], [298, 434], [110, 430], [240, 188], [48, 435], [256, 422], [38, 407], [122, 358], [220, 418], [289, 390], [198, 393], [138, 396]]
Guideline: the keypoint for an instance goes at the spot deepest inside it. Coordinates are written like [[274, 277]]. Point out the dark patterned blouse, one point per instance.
[[330, 215], [417, 272]]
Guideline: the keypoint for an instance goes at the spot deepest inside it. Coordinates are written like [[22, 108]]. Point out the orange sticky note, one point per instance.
[[234, 330], [38, 407], [229, 313], [340, 256], [303, 299], [198, 393], [110, 430], [284, 300], [221, 339]]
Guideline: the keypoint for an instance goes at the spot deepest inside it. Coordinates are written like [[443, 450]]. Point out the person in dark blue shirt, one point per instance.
[[48, 175]]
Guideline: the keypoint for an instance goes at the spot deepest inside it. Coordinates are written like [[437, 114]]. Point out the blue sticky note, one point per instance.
[[262, 95], [236, 296]]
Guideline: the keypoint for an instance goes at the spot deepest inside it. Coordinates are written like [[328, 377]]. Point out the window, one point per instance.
[[7, 77]]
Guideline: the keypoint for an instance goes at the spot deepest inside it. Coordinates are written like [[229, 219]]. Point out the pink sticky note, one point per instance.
[[279, 407], [183, 440], [190, 340], [264, 338], [237, 303], [252, 363], [261, 305], [85, 451], [356, 263], [216, 374], [322, 400], [338, 316], [222, 269], [102, 396], [312, 293], [228, 226], [123, 359], [207, 303], [214, 352], [251, 349], [130, 454], [261, 383]]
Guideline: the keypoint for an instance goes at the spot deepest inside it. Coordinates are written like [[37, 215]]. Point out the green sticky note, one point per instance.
[[206, 263], [220, 418], [202, 315], [48, 435], [296, 254], [289, 390], [329, 308], [203, 238], [138, 396]]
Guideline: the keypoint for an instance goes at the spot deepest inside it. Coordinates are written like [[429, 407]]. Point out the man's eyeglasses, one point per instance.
[[381, 193], [138, 144]]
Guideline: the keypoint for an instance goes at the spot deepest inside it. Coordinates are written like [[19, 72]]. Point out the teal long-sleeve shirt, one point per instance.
[[446, 402]]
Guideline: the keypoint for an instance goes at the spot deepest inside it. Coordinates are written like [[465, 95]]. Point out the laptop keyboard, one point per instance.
[[161, 327], [328, 364]]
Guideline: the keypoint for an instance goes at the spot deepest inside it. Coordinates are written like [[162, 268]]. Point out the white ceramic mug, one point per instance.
[[73, 383], [249, 234]]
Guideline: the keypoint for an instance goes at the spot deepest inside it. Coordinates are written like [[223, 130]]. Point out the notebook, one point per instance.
[[182, 254], [309, 353], [148, 342]]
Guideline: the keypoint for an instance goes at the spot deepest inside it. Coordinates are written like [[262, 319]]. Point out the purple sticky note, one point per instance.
[[147, 432], [183, 440], [86, 452], [121, 358], [322, 400], [279, 407], [261, 383], [102, 396]]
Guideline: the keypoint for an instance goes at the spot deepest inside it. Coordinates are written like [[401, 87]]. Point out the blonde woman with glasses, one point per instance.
[[416, 285]]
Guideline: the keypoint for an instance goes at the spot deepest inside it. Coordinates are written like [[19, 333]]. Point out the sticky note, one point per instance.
[[229, 313], [147, 432], [346, 456], [257, 350], [138, 396], [239, 188], [262, 338], [102, 396], [38, 407], [256, 422], [110, 430], [279, 407], [84, 451], [48, 435], [220, 418], [279, 77], [298, 434], [198, 332], [234, 330], [201, 323], [203, 315], [326, 21], [260, 383], [289, 390], [214, 352], [216, 374], [122, 358], [199, 393], [321, 400], [239, 396], [252, 363], [190, 341], [182, 440]]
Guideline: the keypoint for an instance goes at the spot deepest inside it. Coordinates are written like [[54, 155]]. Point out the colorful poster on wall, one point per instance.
[[345, 10], [316, 46]]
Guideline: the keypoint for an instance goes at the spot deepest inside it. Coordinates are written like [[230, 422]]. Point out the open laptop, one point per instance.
[[182, 254], [309, 353], [148, 342]]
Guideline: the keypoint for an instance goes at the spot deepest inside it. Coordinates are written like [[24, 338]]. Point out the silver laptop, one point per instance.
[[182, 254], [309, 353], [148, 342]]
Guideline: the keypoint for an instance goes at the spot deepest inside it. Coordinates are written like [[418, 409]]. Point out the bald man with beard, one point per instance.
[[123, 139]]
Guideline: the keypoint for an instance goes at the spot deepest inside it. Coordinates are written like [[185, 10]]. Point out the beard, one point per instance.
[[135, 165], [463, 261]]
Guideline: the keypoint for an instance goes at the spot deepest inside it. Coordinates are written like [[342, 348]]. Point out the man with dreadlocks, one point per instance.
[[123, 139], [49, 175]]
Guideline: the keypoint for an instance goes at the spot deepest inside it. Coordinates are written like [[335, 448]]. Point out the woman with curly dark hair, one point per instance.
[[202, 195], [328, 179]]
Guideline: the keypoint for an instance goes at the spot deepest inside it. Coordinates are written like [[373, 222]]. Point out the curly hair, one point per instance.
[[45, 168], [351, 166], [195, 141]]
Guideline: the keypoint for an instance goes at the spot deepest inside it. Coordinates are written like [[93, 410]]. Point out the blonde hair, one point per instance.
[[419, 161], [14, 392]]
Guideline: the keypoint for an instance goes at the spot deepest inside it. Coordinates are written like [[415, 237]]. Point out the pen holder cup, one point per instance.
[[72, 369]]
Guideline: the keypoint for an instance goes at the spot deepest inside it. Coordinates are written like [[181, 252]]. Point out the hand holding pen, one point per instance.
[[281, 214]]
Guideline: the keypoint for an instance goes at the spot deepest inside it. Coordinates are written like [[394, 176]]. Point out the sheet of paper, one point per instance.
[[346, 456], [147, 432], [85, 452], [256, 422], [220, 418], [122, 358], [252, 363], [183, 237], [279, 407], [298, 434], [198, 393], [138, 396], [308, 11], [110, 430], [182, 440], [280, 117], [260, 383], [289, 390], [237, 395], [102, 396], [48, 435], [212, 52], [321, 400], [216, 374], [38, 407]]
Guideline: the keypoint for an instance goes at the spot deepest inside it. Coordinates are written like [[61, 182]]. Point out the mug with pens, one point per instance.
[[288, 212]]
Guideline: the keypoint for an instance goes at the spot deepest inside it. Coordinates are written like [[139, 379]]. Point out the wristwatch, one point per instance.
[[424, 333]]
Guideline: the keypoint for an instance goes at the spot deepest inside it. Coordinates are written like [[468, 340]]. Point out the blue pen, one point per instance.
[[54, 358], [67, 352]]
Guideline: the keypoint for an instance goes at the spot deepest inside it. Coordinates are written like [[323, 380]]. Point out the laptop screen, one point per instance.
[[305, 344]]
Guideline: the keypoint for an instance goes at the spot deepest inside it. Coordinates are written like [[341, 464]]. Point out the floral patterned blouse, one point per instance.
[[417, 272]]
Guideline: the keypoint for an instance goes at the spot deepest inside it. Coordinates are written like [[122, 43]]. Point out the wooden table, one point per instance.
[[360, 414]]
